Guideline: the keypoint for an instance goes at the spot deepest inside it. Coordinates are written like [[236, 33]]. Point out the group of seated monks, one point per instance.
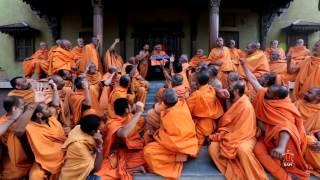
[[71, 122]]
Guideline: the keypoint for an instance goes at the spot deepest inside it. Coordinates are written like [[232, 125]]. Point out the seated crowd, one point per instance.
[[66, 119]]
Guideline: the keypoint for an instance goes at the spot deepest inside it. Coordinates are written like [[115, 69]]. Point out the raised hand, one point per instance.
[[40, 95], [85, 84], [98, 137], [139, 107], [117, 40], [223, 93]]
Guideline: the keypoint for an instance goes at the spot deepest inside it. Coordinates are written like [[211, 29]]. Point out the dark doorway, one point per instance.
[[229, 35], [167, 34]]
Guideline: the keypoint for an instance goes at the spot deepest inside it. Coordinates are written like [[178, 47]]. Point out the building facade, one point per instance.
[[182, 26]]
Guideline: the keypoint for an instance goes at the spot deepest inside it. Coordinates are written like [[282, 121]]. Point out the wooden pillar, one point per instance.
[[214, 22], [98, 23]]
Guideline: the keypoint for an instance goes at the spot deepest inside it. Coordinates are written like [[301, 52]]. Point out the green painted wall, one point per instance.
[[13, 11], [246, 23], [298, 10]]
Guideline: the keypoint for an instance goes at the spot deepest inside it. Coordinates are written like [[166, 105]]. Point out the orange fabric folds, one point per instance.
[[175, 137], [46, 141], [308, 77], [80, 155]]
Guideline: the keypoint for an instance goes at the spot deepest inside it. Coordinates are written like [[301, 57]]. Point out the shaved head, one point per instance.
[[66, 44], [113, 69], [59, 42], [199, 52], [58, 81], [203, 78], [124, 81], [316, 49], [43, 45], [276, 92], [300, 42], [233, 77], [169, 97], [177, 80], [274, 43], [220, 42], [312, 95], [252, 47], [183, 58], [80, 42]]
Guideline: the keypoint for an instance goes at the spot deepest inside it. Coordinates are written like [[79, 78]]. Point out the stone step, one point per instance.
[[200, 168]]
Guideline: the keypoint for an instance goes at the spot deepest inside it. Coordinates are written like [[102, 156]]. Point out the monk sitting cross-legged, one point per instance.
[[279, 67], [61, 58], [139, 86], [15, 161], [298, 54], [90, 53], [112, 57], [153, 115], [235, 53], [308, 73], [45, 136], [143, 58], [220, 56], [122, 149], [274, 47], [77, 51], [21, 88], [95, 86], [214, 81], [232, 145], [280, 149], [120, 91], [309, 108], [131, 61], [33, 63], [109, 82], [198, 58], [83, 147], [258, 65], [205, 108], [63, 111], [80, 100], [165, 156]]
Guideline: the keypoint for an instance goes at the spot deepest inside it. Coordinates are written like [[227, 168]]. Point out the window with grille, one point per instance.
[[24, 47]]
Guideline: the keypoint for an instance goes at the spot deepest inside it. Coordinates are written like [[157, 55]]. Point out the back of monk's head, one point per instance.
[[124, 81], [177, 67], [120, 106], [203, 78], [177, 80], [240, 86], [90, 124], [128, 69], [13, 82], [280, 92], [11, 102], [213, 70], [169, 97], [78, 82], [312, 95]]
